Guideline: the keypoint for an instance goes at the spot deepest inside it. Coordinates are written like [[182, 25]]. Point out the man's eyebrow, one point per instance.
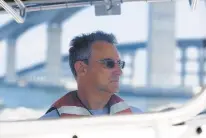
[[111, 59], [107, 58]]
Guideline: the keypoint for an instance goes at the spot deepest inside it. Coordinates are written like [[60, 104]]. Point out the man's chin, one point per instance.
[[114, 91], [111, 90]]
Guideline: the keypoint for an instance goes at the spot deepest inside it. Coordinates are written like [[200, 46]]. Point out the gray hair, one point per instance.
[[81, 46]]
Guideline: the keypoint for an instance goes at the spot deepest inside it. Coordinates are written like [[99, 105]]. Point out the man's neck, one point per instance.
[[95, 100]]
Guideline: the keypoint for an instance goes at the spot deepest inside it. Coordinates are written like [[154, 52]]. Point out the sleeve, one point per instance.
[[52, 113], [135, 110]]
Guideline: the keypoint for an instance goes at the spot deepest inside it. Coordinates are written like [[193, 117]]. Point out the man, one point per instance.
[[96, 66]]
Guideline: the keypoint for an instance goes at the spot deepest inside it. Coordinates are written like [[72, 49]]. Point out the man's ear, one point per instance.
[[81, 68]]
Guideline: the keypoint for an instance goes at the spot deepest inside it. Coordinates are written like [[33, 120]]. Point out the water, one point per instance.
[[29, 97], [43, 97], [31, 102]]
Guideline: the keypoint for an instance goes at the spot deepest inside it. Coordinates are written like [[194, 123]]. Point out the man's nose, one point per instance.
[[117, 70]]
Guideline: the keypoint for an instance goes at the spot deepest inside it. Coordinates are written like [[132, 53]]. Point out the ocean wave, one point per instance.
[[20, 113]]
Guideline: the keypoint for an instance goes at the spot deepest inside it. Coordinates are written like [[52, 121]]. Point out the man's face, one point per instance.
[[100, 75]]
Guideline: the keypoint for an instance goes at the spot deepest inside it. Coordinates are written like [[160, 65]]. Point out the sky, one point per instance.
[[130, 26]]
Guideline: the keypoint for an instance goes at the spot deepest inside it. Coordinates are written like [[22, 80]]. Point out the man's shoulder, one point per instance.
[[50, 115], [135, 109]]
